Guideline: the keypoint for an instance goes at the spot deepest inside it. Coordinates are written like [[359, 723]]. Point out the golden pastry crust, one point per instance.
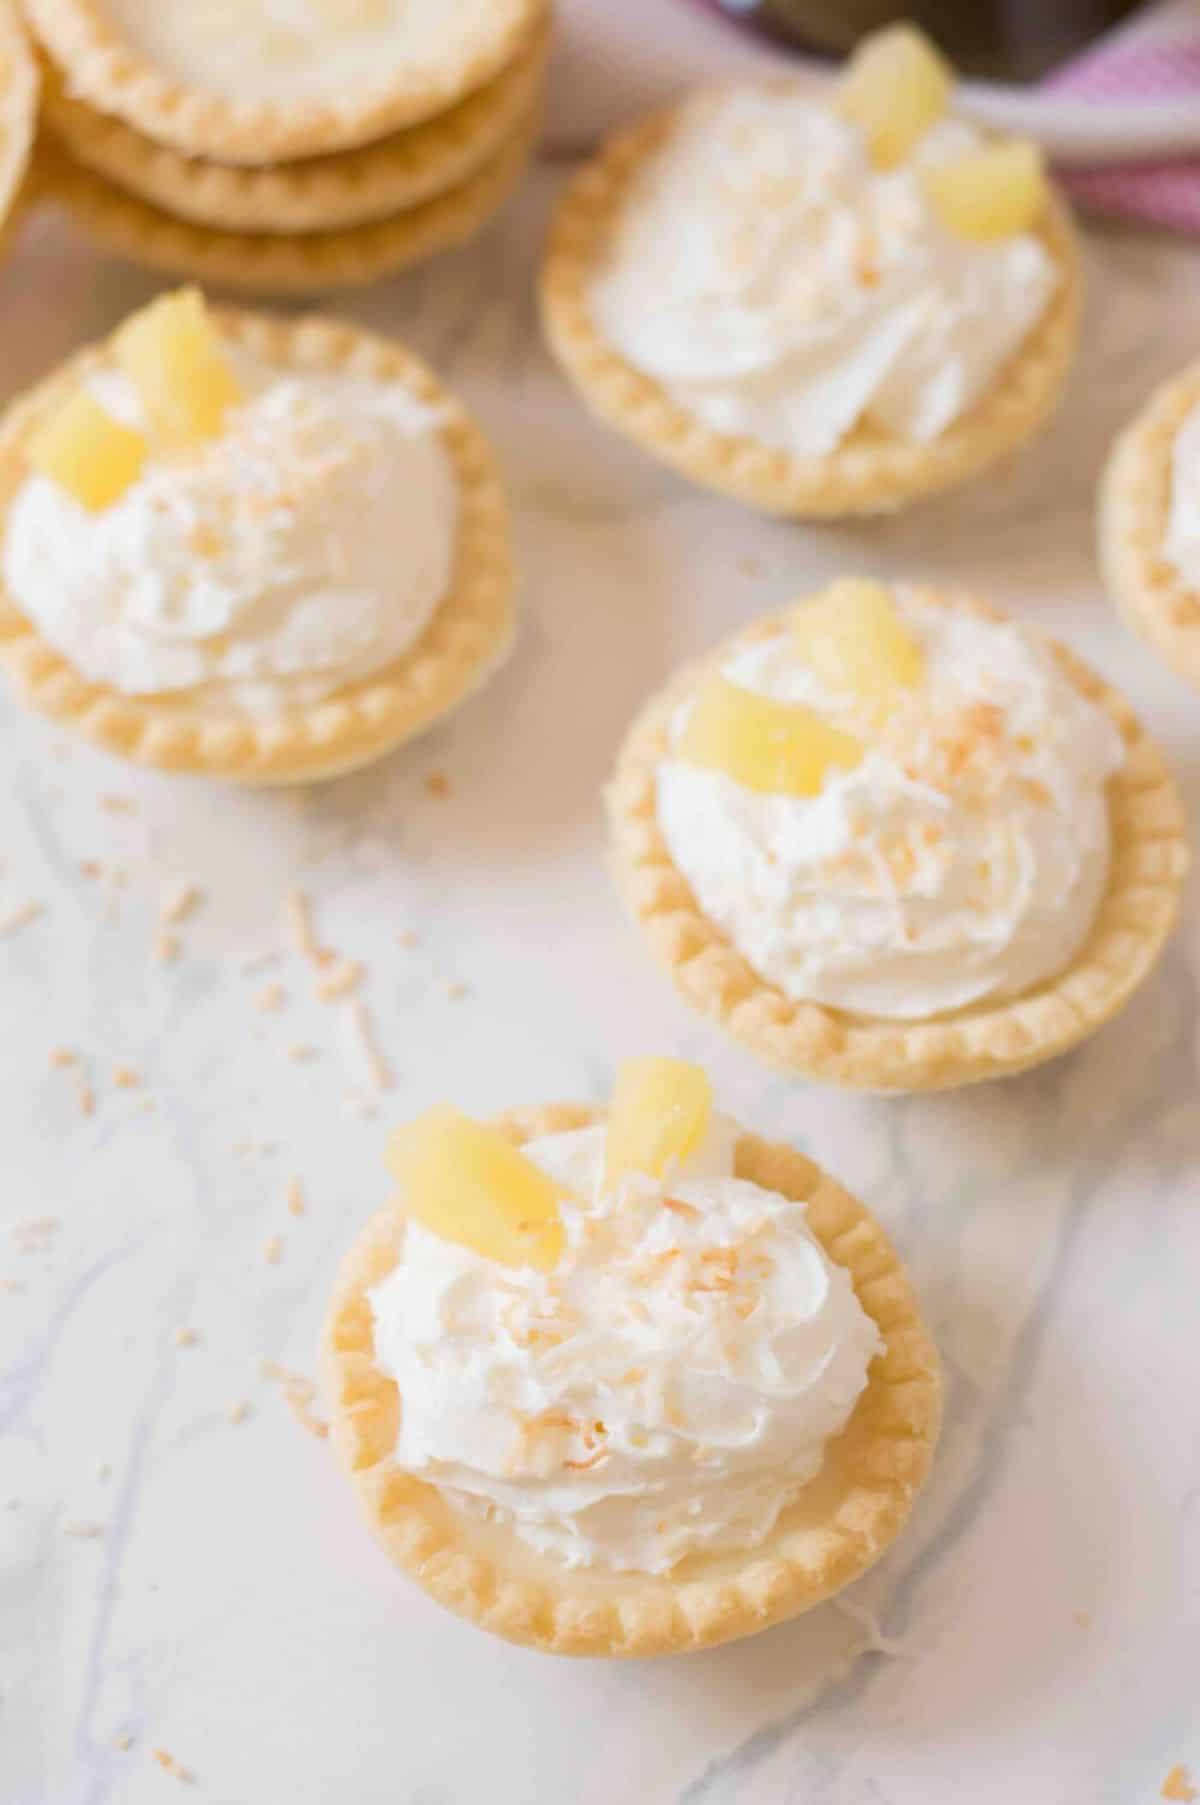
[[268, 263], [870, 472], [317, 194], [18, 111], [964, 1046], [1135, 503], [835, 1530], [113, 76], [469, 634]]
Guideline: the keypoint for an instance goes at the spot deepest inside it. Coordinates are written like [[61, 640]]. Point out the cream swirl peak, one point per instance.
[[666, 1389], [301, 548], [963, 856], [783, 289]]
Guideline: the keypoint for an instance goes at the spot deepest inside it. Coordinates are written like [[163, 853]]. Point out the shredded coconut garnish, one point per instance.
[[376, 1066], [341, 978], [35, 1235], [83, 1532], [299, 921], [175, 1768], [20, 917], [295, 1197], [179, 903]]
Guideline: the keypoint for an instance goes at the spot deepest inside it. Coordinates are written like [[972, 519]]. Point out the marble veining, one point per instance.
[[181, 1567]]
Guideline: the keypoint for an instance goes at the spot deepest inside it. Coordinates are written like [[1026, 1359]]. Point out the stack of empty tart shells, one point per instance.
[[302, 145]]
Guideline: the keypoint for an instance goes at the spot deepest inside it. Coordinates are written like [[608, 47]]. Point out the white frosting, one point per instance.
[[963, 858], [783, 290], [1181, 546], [306, 547], [692, 1408]]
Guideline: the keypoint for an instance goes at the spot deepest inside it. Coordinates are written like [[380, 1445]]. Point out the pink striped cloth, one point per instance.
[[1155, 61]]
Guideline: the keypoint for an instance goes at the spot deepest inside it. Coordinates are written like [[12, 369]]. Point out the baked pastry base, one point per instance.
[[469, 634], [870, 472], [984, 1040], [1135, 501], [840, 1524]]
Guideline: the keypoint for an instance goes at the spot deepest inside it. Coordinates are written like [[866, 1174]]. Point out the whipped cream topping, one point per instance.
[[783, 290], [964, 857], [305, 547], [1181, 544], [668, 1389]]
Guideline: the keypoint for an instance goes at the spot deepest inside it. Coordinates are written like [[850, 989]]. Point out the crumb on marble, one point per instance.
[[171, 1766], [271, 997], [20, 917], [1082, 1619], [179, 903], [239, 1411], [119, 805], [300, 1051], [166, 948], [91, 868], [63, 1056], [341, 977], [406, 937], [438, 784], [1178, 1785], [186, 1337], [35, 1234], [123, 1741], [125, 1078], [299, 920], [362, 1028], [272, 1251], [103, 1470], [86, 1097], [457, 991], [11, 1287], [295, 1197], [83, 1531]]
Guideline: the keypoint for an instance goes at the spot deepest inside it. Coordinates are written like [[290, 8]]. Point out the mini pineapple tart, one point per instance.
[[819, 307], [1149, 523], [627, 1385], [892, 840], [268, 550]]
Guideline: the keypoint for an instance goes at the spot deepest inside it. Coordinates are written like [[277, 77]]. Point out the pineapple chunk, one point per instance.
[[660, 1113], [995, 192], [469, 1184], [88, 453], [173, 354], [895, 87], [854, 639], [764, 744]]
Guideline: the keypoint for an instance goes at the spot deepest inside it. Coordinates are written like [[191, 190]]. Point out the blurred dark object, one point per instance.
[[1001, 39]]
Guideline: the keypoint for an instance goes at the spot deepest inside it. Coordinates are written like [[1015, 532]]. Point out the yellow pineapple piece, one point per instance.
[[855, 640], [467, 1183], [896, 85], [88, 453], [660, 1112], [994, 192], [764, 744], [173, 353]]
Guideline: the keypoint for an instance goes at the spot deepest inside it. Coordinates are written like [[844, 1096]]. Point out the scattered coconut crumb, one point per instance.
[[119, 805], [456, 992], [1082, 1619], [64, 1056], [86, 1096], [273, 1250], [749, 567], [185, 1337], [355, 1104], [179, 903], [125, 1078], [1178, 1785], [83, 1532], [295, 1197], [300, 1051], [91, 868], [438, 784], [103, 1470], [300, 1394], [408, 938], [377, 1066], [166, 948], [35, 1235], [239, 1412], [175, 1768], [270, 997], [20, 917], [13, 1287], [299, 920], [123, 1740], [341, 978]]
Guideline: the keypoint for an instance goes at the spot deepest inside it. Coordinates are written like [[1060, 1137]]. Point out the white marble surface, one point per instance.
[[1040, 1621]]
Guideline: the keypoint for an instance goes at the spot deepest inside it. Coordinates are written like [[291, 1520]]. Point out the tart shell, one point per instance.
[[838, 1527], [870, 472], [964, 1046], [469, 634]]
